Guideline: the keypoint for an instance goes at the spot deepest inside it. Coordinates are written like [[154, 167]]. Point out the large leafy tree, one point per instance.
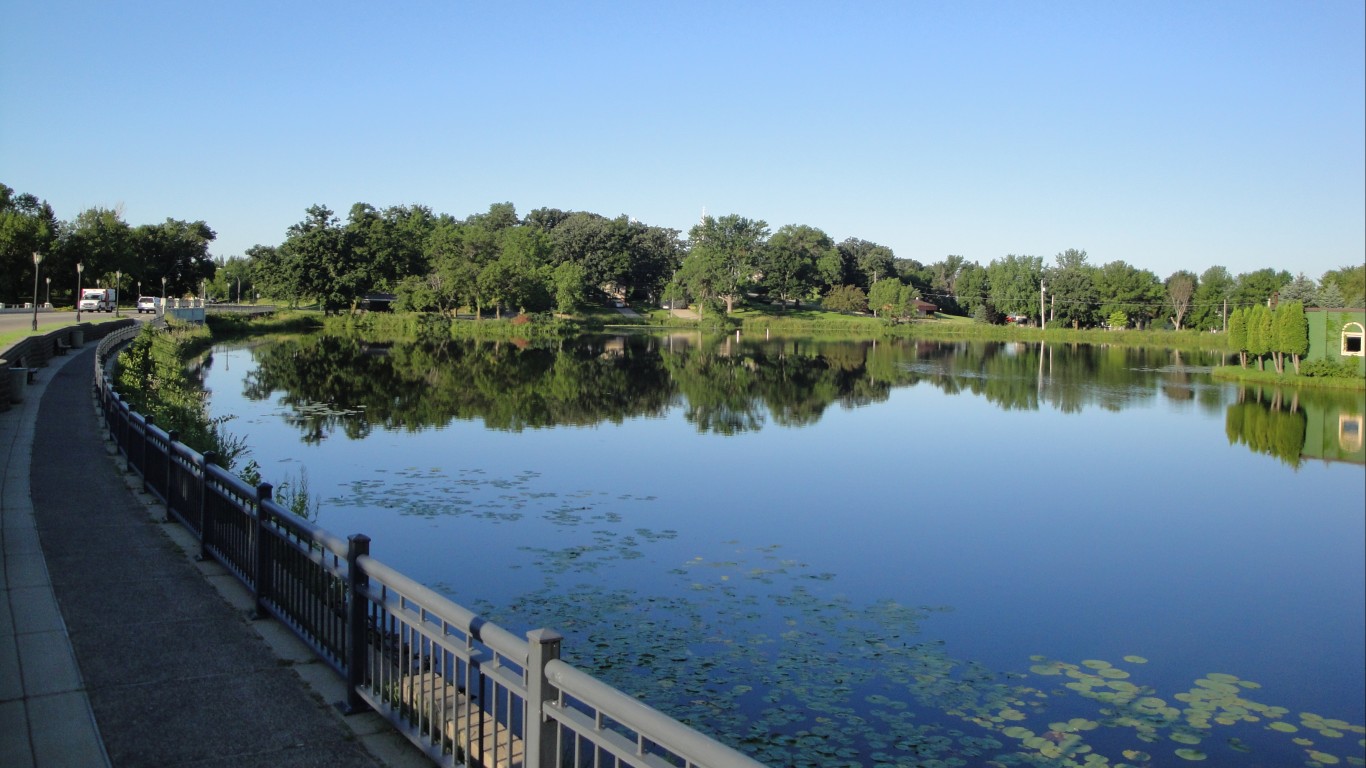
[[1257, 287], [866, 262], [103, 243], [727, 256], [387, 245], [789, 262], [1211, 295], [944, 281], [973, 288], [27, 226], [1015, 284], [176, 250], [322, 261], [1072, 289], [1136, 292], [892, 299], [1180, 293]]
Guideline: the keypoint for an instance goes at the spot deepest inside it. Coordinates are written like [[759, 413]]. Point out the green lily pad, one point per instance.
[[1191, 754]]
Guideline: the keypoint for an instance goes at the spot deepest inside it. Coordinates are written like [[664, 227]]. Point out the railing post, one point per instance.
[[260, 587], [540, 729], [172, 438], [205, 509], [147, 422], [357, 628]]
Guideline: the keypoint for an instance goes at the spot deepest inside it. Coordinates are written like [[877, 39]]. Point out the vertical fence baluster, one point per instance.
[[172, 437], [357, 609], [147, 422], [260, 587], [205, 508]]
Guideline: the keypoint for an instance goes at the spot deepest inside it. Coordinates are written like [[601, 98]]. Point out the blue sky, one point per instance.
[[1168, 135]]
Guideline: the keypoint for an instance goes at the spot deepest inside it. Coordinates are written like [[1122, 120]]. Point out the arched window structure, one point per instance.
[[1352, 334]]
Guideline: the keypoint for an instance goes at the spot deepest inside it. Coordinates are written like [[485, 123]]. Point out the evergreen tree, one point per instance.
[[1292, 331], [1259, 333], [1237, 335]]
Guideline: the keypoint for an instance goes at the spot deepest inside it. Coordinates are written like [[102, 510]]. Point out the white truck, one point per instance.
[[97, 299]]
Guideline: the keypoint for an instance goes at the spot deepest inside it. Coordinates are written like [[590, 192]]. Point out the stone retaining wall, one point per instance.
[[38, 351]]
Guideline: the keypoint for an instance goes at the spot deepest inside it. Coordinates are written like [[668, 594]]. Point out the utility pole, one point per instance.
[[1225, 314], [1043, 319]]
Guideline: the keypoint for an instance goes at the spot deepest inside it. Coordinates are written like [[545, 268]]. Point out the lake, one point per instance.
[[859, 552]]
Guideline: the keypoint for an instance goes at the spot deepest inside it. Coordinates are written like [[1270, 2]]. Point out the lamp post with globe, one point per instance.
[[37, 259], [79, 269]]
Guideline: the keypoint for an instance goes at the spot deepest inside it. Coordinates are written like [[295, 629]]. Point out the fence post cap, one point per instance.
[[544, 636]]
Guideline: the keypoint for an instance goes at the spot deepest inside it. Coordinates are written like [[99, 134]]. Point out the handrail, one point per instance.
[[662, 730]]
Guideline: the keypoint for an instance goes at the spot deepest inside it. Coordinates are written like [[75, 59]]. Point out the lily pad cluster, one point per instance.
[[763, 651]]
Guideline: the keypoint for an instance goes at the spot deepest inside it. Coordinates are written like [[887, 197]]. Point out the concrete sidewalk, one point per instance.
[[116, 646]]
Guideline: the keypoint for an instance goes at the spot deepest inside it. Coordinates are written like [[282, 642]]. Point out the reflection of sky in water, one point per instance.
[[1089, 535]]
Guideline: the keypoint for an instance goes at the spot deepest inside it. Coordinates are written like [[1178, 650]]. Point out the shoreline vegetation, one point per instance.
[[749, 321]]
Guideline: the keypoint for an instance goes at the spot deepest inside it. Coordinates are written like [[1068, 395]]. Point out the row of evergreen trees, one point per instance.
[[1261, 332]]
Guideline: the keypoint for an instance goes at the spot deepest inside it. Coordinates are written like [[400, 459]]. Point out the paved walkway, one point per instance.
[[116, 646]]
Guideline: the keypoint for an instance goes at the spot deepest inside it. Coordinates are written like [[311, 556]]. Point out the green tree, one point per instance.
[[1258, 287], [569, 284], [103, 244], [789, 262], [973, 288], [1292, 332], [1259, 333], [1119, 320], [1212, 292], [1301, 289], [1137, 292], [1350, 283], [1237, 334], [321, 261], [27, 226], [866, 262], [727, 252], [1015, 284], [1180, 292], [845, 298], [1072, 289], [890, 299]]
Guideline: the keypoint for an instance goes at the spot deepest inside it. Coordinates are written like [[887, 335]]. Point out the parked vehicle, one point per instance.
[[148, 304], [98, 299]]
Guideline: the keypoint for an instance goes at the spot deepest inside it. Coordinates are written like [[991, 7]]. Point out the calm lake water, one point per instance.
[[907, 553]]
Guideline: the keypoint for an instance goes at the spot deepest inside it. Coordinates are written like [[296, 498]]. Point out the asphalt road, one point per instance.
[[50, 319]]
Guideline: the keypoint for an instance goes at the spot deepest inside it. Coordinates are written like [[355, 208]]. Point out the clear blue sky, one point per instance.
[[1167, 134]]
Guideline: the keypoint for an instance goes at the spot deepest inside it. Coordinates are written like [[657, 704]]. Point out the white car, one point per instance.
[[147, 304]]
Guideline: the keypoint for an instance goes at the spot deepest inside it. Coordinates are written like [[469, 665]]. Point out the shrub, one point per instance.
[[1336, 369]]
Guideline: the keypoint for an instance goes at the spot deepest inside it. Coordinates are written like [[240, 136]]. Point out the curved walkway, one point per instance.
[[116, 647]]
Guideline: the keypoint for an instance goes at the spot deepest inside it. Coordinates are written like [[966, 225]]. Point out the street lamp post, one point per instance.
[[48, 303], [37, 259], [79, 269], [163, 295], [118, 290]]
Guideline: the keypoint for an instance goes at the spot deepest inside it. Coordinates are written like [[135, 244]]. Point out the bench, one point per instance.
[[63, 346]]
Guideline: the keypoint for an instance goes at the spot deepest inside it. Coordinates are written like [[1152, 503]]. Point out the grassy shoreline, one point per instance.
[[1289, 379]]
